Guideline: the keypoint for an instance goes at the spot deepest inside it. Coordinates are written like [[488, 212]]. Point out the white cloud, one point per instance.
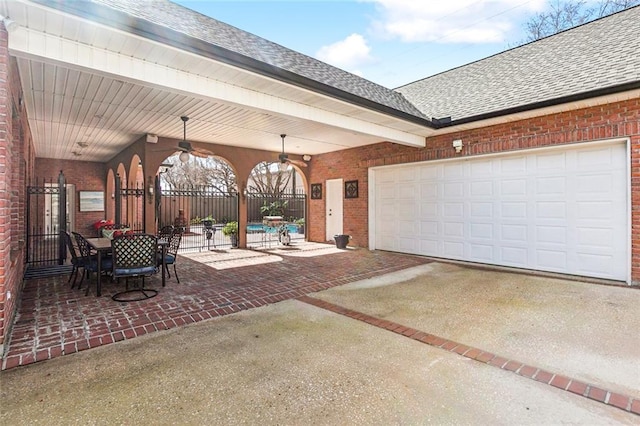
[[453, 21], [347, 54]]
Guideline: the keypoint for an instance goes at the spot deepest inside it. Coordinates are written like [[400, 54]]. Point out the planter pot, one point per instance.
[[341, 241], [234, 240]]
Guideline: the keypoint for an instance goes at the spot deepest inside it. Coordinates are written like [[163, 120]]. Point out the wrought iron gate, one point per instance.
[[201, 212], [289, 205], [46, 218], [130, 205]]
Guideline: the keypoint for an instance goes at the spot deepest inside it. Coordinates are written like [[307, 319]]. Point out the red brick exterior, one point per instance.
[[616, 120], [16, 165]]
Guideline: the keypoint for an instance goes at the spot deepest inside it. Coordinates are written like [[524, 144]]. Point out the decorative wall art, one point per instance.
[[316, 191], [91, 201], [351, 189]]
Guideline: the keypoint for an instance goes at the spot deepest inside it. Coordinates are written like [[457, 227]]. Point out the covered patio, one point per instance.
[[55, 320]]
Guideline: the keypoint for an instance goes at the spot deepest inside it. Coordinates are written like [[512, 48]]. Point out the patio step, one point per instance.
[[46, 271]]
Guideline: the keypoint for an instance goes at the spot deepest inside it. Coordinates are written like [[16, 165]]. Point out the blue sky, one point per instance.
[[390, 42]]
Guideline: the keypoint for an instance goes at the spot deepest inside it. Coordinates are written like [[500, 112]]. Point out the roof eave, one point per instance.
[[176, 39], [543, 104]]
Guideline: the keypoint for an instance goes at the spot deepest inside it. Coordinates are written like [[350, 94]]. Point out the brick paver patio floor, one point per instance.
[[55, 320]]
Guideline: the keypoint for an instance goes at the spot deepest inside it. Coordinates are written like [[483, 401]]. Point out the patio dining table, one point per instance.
[[102, 246]]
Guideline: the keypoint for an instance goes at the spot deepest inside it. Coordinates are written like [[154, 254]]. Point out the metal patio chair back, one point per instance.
[[134, 256]]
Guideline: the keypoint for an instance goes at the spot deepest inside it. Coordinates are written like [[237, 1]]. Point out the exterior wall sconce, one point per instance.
[[9, 24], [457, 145], [306, 157]]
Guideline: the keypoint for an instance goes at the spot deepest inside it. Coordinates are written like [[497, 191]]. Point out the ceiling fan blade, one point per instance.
[[199, 153], [298, 163]]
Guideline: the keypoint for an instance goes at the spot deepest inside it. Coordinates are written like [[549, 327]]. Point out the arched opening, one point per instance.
[[276, 204], [199, 195], [110, 212]]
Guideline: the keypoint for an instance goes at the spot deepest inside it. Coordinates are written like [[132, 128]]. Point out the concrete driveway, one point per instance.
[[406, 348]]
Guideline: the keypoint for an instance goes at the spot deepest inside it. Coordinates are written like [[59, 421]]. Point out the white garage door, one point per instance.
[[560, 210]]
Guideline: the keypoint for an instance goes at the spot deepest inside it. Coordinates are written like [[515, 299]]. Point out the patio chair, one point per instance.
[[171, 254], [166, 232], [76, 261], [134, 256], [90, 260]]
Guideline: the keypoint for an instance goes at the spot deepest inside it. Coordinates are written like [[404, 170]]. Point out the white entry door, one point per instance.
[[561, 210], [334, 208]]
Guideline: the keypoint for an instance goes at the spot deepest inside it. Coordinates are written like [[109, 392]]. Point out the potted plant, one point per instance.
[[300, 224], [231, 230], [275, 208], [208, 222]]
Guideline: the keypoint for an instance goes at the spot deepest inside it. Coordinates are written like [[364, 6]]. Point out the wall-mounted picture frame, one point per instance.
[[91, 201], [316, 191], [351, 189]]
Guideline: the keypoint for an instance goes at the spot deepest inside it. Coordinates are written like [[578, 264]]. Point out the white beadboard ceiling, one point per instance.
[[86, 84]]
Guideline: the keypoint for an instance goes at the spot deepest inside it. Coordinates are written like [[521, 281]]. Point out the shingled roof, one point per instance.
[[282, 62], [592, 58], [596, 58]]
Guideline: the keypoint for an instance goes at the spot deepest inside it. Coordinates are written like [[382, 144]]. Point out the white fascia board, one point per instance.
[[30, 44]]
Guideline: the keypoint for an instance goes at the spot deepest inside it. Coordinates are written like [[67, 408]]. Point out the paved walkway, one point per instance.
[[434, 343]]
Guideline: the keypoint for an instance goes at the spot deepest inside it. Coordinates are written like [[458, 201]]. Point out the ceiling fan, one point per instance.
[[185, 146], [284, 157]]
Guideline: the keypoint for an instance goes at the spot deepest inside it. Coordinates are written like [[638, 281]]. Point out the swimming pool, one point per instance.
[[253, 227]]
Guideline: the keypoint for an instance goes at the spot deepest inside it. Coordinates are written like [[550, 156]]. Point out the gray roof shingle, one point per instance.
[[217, 33], [601, 54]]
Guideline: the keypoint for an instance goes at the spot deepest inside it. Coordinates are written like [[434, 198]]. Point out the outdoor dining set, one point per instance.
[[121, 253]]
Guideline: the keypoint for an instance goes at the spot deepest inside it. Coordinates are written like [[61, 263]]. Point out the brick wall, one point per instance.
[[615, 120], [16, 166], [85, 175]]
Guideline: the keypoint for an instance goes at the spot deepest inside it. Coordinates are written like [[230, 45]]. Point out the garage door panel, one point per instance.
[[481, 231], [595, 238], [482, 168], [453, 210], [513, 187], [453, 229], [453, 249], [387, 191], [428, 190], [594, 264], [453, 170], [429, 229], [453, 189], [551, 235], [589, 184], [595, 210], [481, 210], [428, 211], [514, 210], [551, 186], [514, 256], [551, 161], [551, 260], [481, 188], [481, 253], [430, 247], [513, 233], [552, 210]]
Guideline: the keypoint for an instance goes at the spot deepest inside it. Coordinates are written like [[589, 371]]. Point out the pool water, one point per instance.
[[270, 229]]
